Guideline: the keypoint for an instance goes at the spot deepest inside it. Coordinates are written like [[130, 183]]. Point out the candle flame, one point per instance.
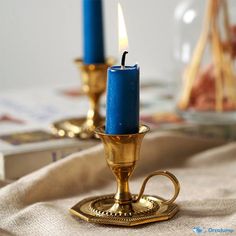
[[123, 37]]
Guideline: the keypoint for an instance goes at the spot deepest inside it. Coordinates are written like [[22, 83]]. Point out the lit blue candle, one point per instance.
[[93, 32], [122, 111]]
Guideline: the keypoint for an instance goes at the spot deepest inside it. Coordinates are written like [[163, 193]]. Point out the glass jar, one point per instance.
[[205, 56]]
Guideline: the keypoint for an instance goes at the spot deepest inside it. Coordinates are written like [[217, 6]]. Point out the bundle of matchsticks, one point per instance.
[[212, 87]]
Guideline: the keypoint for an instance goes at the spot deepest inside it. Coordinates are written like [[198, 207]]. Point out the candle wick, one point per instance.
[[123, 59]]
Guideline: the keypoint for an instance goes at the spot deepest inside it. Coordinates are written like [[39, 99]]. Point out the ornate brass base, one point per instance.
[[75, 127], [103, 210]]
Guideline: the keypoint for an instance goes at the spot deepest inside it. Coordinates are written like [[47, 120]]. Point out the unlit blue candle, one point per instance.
[[122, 112], [93, 32]]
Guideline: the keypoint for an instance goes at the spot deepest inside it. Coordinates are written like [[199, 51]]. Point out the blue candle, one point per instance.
[[122, 111], [93, 32]]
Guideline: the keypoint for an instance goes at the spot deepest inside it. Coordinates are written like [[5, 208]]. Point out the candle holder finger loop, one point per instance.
[[94, 77], [123, 208], [167, 174]]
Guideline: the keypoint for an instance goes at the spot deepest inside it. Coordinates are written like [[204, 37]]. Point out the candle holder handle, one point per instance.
[[123, 208], [94, 79], [167, 174]]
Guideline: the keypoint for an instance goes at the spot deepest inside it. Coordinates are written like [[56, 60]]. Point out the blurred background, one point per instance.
[[40, 83], [40, 39]]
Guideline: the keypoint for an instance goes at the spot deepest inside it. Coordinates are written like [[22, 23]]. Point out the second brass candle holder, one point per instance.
[[94, 77], [123, 208]]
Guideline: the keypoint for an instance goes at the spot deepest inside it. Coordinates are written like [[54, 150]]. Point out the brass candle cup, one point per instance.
[[126, 209], [94, 78]]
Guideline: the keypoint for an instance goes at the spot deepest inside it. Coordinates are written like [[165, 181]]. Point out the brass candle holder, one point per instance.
[[123, 208], [94, 77]]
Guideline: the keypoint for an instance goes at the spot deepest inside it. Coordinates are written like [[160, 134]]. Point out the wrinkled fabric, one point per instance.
[[38, 204]]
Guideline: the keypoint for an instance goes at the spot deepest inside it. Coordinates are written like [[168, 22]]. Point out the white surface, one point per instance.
[[39, 108], [39, 39]]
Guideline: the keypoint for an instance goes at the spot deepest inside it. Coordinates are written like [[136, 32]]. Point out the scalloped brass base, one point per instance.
[[103, 210], [74, 128]]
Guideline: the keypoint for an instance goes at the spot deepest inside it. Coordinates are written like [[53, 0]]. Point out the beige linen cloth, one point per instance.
[[38, 204]]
